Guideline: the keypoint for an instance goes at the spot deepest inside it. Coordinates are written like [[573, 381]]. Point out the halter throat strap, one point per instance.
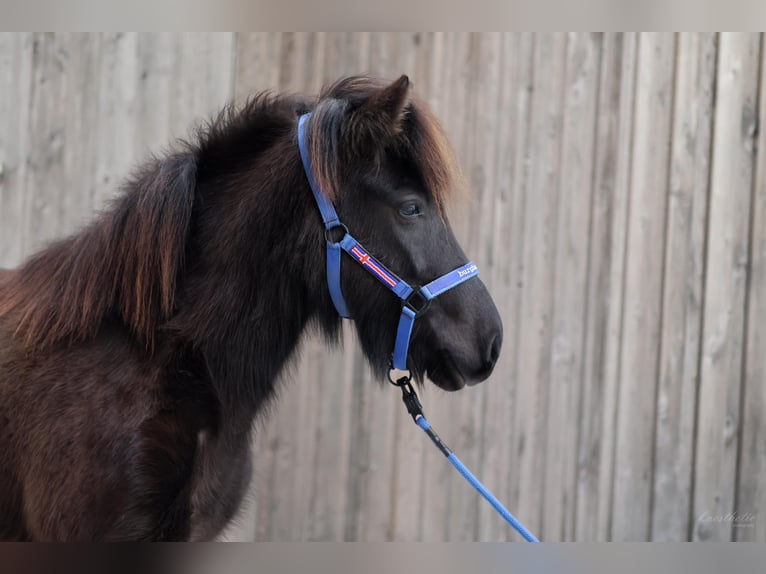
[[415, 299]]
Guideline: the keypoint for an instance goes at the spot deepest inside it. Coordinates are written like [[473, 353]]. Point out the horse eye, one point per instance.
[[410, 210]]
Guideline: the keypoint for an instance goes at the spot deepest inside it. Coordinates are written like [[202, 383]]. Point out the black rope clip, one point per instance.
[[409, 396]]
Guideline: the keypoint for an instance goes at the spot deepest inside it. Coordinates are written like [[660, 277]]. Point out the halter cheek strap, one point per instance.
[[414, 299]]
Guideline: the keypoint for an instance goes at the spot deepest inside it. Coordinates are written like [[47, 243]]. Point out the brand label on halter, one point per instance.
[[467, 270]]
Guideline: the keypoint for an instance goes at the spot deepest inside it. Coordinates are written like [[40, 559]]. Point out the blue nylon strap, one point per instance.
[[330, 220], [403, 333], [334, 253], [450, 280], [433, 289], [326, 208], [423, 423], [400, 287], [403, 290]]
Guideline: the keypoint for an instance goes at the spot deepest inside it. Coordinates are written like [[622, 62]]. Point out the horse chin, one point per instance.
[[445, 374]]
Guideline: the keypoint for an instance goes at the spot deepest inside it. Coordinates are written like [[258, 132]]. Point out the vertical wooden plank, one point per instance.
[[535, 340], [505, 127], [202, 79], [296, 70], [370, 456], [257, 63], [346, 53], [46, 165], [81, 56], [751, 485], [120, 118], [434, 500], [603, 330], [16, 69], [183, 80], [496, 128], [682, 290], [725, 285], [62, 123], [155, 70], [569, 304], [514, 237], [642, 312]]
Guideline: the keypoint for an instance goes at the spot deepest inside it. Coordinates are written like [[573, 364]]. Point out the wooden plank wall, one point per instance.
[[618, 216]]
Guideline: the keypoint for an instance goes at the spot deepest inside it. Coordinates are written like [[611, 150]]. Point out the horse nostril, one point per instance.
[[490, 359]]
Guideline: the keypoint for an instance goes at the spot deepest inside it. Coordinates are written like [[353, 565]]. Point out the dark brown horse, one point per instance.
[[135, 354]]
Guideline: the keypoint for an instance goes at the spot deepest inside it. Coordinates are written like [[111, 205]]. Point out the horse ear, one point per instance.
[[391, 101], [380, 116]]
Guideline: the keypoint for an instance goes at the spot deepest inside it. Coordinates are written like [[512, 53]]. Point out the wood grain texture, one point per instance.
[[16, 68], [642, 308], [728, 235], [538, 274], [569, 307], [617, 200], [683, 285], [751, 484], [508, 64], [603, 323]]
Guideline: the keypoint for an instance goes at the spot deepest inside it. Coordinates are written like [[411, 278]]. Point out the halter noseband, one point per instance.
[[415, 299]]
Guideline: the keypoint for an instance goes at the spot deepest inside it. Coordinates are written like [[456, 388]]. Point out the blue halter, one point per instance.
[[415, 299]]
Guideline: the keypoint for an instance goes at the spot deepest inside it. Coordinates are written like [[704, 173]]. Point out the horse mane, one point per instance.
[[416, 133], [126, 262], [126, 265]]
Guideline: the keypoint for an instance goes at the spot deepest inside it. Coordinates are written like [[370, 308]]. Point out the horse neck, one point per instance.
[[257, 280]]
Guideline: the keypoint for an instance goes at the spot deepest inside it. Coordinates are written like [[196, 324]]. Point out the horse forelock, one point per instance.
[[420, 140]]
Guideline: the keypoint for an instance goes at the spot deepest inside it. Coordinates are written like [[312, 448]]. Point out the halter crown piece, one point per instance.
[[414, 299]]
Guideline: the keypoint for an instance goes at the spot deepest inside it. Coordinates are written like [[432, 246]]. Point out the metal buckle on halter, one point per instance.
[[417, 301], [328, 230]]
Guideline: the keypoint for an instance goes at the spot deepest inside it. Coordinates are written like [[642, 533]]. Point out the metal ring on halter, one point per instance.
[[327, 231], [402, 379]]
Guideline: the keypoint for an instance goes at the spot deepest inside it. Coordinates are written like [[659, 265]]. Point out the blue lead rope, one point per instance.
[[412, 402], [423, 423]]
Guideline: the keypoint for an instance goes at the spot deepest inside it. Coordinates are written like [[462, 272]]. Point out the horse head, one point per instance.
[[383, 160]]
